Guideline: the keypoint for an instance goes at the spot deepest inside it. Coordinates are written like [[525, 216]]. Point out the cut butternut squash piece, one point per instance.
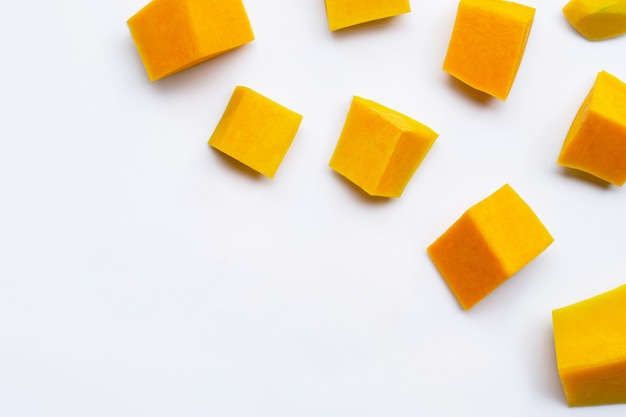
[[488, 244], [487, 44], [590, 345], [172, 35], [256, 131], [380, 149], [597, 19], [596, 141], [344, 13]]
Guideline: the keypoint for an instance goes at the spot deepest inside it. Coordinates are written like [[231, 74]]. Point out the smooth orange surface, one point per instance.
[[487, 44], [488, 244], [172, 35], [590, 344], [345, 13], [596, 141], [379, 149], [256, 131], [597, 19]]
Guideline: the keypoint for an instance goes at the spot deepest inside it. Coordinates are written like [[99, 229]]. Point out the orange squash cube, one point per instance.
[[256, 131], [345, 13], [172, 35], [487, 44], [597, 19], [380, 149], [590, 345], [488, 244], [596, 141]]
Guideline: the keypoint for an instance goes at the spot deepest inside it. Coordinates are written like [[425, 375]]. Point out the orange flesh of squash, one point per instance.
[[380, 149], [597, 19], [345, 13], [487, 44], [256, 131], [488, 244], [596, 141], [173, 35], [590, 345]]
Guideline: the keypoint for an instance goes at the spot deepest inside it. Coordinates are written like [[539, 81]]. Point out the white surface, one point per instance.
[[142, 274]]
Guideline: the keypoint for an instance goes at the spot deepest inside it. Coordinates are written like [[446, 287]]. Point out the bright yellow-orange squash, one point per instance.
[[172, 35], [590, 344], [596, 141], [489, 243], [487, 44], [256, 131], [345, 13], [597, 19], [379, 149]]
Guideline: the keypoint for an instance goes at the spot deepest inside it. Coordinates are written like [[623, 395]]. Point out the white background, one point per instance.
[[144, 274]]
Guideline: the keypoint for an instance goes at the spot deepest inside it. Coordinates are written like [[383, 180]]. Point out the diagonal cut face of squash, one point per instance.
[[597, 19]]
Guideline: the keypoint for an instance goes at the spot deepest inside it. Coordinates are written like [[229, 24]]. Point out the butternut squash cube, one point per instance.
[[590, 345], [345, 13], [172, 35], [596, 141], [256, 131], [379, 149], [489, 243], [487, 44], [597, 19]]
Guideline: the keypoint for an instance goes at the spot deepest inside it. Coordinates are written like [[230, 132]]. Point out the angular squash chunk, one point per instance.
[[379, 149], [256, 131], [172, 35], [597, 19], [596, 141], [489, 243], [344, 13], [487, 44], [590, 344]]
